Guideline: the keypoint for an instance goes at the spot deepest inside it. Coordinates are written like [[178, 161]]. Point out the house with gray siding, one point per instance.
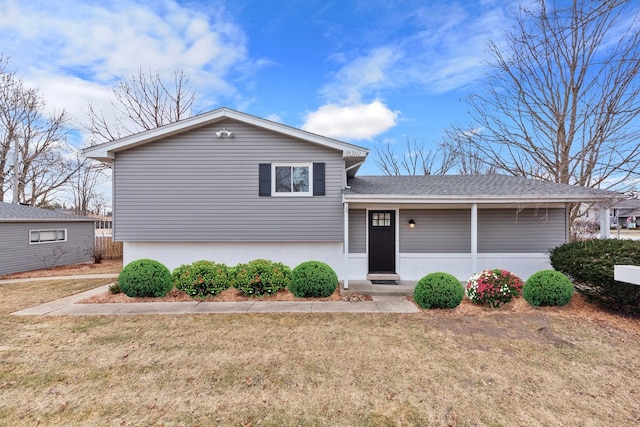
[[231, 187], [34, 238]]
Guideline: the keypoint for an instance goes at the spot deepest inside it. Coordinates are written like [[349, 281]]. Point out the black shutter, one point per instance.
[[318, 179], [264, 179]]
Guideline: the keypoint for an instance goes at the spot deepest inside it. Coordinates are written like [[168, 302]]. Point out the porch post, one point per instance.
[[345, 239], [474, 238], [605, 221]]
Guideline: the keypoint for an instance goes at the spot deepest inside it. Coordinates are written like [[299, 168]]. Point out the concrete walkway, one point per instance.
[[69, 306]]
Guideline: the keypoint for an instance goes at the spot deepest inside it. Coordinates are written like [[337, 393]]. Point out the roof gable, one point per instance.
[[106, 151]]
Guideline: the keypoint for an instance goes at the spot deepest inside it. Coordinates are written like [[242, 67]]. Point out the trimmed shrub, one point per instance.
[[590, 264], [493, 287], [548, 287], [145, 278], [438, 290], [260, 276], [313, 279], [201, 278]]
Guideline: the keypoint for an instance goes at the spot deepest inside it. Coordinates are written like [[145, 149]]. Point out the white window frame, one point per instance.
[[56, 230], [291, 193]]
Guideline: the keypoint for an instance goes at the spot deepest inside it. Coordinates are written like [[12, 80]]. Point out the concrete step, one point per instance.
[[403, 288]]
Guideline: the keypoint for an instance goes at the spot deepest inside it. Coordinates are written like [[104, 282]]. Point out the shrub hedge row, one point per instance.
[[493, 288], [149, 278]]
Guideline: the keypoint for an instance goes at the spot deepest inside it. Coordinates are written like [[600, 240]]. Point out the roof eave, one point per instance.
[[466, 199]]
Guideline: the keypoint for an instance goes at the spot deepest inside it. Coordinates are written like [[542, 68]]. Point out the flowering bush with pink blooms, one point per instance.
[[493, 287]]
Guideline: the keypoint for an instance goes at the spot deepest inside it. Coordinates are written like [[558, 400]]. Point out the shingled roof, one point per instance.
[[18, 213], [467, 188]]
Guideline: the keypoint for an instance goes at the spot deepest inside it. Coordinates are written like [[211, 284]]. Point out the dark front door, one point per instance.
[[382, 242]]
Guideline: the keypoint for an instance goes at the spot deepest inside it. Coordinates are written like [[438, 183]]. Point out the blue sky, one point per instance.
[[364, 72]]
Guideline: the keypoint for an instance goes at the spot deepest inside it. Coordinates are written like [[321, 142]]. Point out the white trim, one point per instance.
[[106, 151], [474, 237], [345, 245], [465, 199], [56, 230]]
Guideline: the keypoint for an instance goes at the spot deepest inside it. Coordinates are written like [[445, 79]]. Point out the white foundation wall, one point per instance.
[[416, 266], [522, 265], [174, 254]]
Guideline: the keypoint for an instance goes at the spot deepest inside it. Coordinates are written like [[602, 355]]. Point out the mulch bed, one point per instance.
[[229, 295]]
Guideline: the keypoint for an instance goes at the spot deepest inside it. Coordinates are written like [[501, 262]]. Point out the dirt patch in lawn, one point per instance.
[[467, 314]]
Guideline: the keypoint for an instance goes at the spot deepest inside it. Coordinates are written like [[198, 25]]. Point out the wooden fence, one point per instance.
[[108, 247]]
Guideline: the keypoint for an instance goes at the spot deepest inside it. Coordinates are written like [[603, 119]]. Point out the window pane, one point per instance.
[[48, 236], [61, 235], [283, 179], [301, 179], [35, 236]]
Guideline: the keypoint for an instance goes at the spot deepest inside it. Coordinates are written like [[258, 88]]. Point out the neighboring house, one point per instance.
[[231, 187], [626, 214], [34, 238]]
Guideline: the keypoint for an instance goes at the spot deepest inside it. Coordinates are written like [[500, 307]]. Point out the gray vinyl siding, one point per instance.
[[525, 231], [357, 231], [197, 187], [436, 231], [17, 255]]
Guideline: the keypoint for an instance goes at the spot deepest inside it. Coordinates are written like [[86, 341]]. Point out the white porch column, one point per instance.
[[605, 220], [474, 238], [345, 239]]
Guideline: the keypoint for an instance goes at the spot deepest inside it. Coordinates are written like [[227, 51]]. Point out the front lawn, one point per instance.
[[432, 368]]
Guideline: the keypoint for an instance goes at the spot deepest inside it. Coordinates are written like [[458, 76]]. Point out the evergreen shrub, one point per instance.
[[145, 278], [313, 279], [260, 277], [438, 290], [547, 287], [201, 278], [590, 264]]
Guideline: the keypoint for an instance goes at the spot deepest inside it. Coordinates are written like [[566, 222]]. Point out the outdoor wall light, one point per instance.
[[224, 132], [412, 224]]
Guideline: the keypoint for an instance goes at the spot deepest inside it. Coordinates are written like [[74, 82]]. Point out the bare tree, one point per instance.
[[416, 159], [562, 98], [33, 145], [83, 187], [142, 102]]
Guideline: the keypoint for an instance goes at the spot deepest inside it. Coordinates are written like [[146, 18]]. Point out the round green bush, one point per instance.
[[201, 278], [313, 279], [260, 276], [438, 290], [548, 287], [145, 278]]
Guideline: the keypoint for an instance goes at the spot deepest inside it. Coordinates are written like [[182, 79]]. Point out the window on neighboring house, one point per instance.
[[293, 179], [47, 236]]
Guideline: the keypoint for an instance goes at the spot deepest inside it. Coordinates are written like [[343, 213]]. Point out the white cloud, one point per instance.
[[360, 121], [363, 74], [443, 49], [75, 50]]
